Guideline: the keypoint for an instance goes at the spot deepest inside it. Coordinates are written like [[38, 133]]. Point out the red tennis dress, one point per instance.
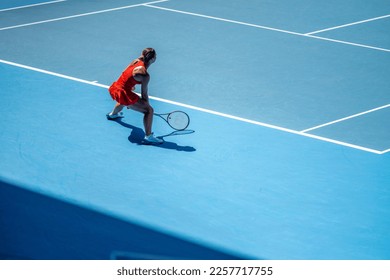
[[122, 90]]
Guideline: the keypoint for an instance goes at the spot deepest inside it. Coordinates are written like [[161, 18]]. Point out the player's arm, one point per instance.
[[142, 76], [144, 87]]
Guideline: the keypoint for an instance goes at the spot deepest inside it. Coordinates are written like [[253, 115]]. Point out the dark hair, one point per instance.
[[148, 54]]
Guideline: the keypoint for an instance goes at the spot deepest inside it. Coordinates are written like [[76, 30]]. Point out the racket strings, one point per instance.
[[178, 120]]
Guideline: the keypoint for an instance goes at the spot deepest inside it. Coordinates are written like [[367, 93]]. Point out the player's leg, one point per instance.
[[144, 107]]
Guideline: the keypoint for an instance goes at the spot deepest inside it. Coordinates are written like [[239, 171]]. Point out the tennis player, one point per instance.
[[122, 92]]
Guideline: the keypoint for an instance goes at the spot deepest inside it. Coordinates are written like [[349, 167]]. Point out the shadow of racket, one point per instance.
[[178, 132]]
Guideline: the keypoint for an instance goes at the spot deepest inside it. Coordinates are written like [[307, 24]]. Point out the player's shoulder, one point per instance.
[[140, 70]]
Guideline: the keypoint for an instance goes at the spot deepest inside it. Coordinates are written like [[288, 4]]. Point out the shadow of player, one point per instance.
[[137, 137]]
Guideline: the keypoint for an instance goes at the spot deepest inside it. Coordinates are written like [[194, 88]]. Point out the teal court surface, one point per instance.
[[290, 108]]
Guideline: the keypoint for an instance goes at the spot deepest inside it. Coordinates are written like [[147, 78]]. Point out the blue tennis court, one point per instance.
[[290, 106]]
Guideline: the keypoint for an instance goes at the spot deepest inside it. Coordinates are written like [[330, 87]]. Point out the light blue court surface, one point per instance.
[[289, 103]]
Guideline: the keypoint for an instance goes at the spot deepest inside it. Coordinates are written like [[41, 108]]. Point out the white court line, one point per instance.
[[267, 28], [149, 4], [384, 152], [204, 110], [32, 5], [270, 126], [348, 43], [346, 118], [52, 73], [80, 15], [222, 19], [346, 25]]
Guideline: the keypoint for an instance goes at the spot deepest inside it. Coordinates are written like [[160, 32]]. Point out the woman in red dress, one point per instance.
[[122, 92]]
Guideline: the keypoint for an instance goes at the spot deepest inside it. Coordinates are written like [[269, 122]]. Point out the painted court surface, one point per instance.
[[289, 102]]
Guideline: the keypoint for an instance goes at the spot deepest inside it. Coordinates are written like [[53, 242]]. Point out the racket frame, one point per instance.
[[165, 117]]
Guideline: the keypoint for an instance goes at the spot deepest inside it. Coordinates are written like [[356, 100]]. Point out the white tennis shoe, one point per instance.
[[153, 140], [111, 116]]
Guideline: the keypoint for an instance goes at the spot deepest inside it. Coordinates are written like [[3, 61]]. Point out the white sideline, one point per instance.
[[79, 15], [94, 83], [31, 5]]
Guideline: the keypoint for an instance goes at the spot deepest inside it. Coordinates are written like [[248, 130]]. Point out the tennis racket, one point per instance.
[[178, 120]]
